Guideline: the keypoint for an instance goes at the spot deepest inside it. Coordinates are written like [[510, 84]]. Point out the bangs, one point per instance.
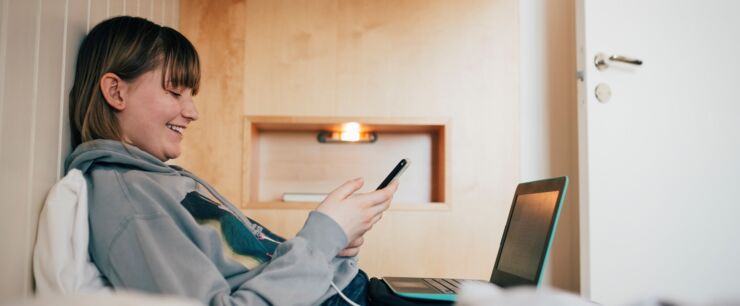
[[180, 64]]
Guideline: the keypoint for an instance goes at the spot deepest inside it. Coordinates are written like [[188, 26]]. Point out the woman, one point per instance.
[[159, 228]]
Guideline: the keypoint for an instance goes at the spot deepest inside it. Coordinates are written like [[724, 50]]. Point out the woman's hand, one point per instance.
[[356, 214], [353, 249]]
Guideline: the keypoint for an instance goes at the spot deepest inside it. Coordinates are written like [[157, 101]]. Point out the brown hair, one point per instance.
[[128, 47]]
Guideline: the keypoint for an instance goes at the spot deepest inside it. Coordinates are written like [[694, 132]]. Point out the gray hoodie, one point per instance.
[[146, 234]]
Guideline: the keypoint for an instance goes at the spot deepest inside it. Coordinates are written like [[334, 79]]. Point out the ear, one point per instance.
[[112, 86]]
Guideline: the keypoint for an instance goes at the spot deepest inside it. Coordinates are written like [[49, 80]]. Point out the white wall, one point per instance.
[[38, 45], [548, 113]]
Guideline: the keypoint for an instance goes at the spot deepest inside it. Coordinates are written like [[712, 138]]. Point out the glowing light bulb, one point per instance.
[[350, 132]]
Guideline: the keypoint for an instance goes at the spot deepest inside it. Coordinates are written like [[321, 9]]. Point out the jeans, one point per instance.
[[355, 291]]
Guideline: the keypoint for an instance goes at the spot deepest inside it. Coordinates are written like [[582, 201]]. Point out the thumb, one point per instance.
[[345, 190]]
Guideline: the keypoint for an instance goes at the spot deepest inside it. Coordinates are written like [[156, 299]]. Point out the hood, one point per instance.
[[115, 152]]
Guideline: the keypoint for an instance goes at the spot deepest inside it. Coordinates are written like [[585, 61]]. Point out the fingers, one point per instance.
[[356, 243], [353, 248], [349, 252], [392, 186], [345, 190], [356, 213], [377, 197], [376, 219], [378, 209], [389, 190]]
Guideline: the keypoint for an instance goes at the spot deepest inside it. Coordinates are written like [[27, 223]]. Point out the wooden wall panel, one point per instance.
[[131, 7], [15, 178], [98, 12], [169, 13], [412, 58], [212, 146], [116, 8], [44, 152], [145, 8], [158, 12], [174, 7], [3, 48], [403, 59], [39, 40]]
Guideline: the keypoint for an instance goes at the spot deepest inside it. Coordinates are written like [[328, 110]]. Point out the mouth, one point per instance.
[[177, 128]]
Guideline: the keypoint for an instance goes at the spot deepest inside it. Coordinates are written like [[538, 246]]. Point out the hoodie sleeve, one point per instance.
[[151, 253]]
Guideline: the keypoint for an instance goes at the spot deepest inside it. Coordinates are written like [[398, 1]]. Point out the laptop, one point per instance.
[[524, 247]]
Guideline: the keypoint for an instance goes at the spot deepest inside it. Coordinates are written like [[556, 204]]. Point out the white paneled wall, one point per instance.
[[38, 46]]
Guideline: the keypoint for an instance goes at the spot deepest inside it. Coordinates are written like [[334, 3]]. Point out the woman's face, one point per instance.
[[155, 118]]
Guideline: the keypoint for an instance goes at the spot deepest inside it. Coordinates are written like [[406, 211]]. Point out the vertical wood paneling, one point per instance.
[[63, 140], [158, 11], [116, 8], [48, 85], [166, 12], [131, 7], [175, 22], [39, 40], [145, 9], [170, 13], [3, 44], [98, 12], [76, 28], [15, 158]]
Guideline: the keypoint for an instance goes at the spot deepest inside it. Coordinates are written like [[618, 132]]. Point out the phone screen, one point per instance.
[[396, 172]]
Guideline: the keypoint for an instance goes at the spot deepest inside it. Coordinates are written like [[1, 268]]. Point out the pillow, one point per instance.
[[61, 261]]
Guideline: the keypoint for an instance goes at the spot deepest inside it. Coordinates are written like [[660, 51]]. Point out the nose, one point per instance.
[[189, 111]]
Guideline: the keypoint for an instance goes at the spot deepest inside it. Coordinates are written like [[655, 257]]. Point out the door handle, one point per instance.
[[601, 61]]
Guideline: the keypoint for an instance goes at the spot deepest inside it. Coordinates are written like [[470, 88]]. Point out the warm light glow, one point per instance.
[[350, 132]]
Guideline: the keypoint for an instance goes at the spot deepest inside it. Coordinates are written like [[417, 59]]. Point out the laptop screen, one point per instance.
[[524, 246], [527, 235]]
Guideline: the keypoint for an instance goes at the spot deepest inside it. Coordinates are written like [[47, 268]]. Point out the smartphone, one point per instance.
[[395, 173]]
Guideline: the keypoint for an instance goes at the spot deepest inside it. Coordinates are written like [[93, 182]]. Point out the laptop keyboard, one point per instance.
[[444, 285]]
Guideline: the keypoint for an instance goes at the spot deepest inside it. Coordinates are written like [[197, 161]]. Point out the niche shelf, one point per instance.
[[283, 155]]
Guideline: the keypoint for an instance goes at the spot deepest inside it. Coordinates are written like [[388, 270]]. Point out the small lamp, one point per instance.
[[351, 133]]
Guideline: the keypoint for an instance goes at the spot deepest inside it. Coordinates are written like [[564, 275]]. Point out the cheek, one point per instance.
[[162, 112], [170, 110]]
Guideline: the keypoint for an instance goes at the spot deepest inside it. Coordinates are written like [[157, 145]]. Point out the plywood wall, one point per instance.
[[38, 45], [392, 59], [212, 148]]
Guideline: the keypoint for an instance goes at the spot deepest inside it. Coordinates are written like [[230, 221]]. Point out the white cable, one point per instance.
[[343, 296]]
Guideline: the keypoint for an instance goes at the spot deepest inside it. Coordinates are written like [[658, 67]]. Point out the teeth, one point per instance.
[[175, 128]]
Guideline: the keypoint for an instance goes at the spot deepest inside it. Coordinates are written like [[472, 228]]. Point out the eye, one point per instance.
[[174, 93]]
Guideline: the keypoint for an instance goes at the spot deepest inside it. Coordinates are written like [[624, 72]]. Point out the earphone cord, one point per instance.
[[343, 296]]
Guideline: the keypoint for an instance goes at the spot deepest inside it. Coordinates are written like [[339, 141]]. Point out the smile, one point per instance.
[[176, 128]]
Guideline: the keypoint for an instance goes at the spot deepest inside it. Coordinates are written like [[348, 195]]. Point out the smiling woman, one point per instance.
[[111, 60], [149, 116], [157, 227]]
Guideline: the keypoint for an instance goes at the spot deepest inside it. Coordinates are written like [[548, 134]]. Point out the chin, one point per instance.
[[171, 155]]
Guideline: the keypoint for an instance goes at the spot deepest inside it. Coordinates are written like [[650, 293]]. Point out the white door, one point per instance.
[[660, 159]]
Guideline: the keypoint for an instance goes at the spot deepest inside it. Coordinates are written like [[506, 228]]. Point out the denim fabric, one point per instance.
[[355, 291]]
